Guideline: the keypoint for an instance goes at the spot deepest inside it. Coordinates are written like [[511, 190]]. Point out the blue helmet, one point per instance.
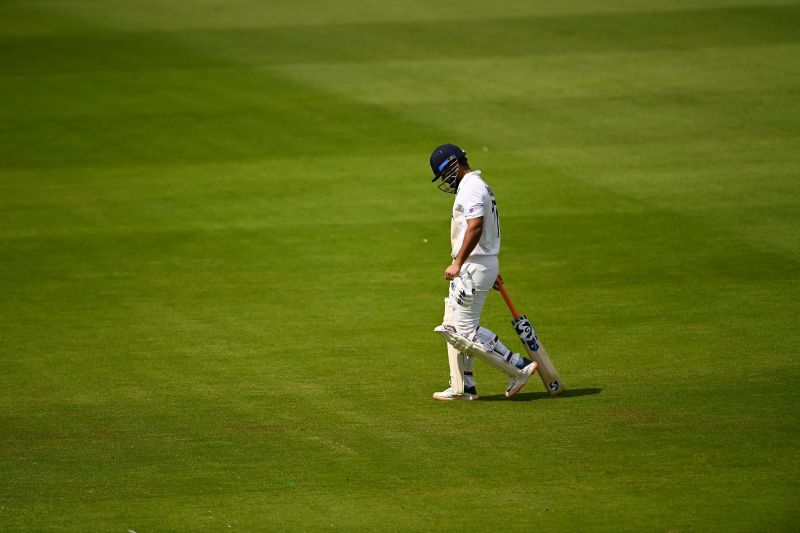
[[444, 164]]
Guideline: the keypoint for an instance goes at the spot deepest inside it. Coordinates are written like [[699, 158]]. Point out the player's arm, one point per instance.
[[472, 237]]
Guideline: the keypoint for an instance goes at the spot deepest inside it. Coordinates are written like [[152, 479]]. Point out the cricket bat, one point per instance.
[[524, 328]]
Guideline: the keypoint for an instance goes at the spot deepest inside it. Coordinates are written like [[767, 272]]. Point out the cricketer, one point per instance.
[[475, 245]]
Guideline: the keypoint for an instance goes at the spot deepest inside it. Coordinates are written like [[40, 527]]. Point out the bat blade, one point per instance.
[[547, 372]]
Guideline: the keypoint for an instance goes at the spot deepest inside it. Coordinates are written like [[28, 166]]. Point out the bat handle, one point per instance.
[[507, 298]]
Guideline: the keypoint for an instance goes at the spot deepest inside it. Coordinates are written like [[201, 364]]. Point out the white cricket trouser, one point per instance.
[[483, 269]]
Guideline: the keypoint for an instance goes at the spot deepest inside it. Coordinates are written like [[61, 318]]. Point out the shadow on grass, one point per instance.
[[531, 396]]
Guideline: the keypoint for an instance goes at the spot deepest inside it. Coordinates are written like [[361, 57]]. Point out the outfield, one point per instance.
[[221, 262]]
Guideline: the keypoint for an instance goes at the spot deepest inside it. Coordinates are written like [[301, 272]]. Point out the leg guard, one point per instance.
[[454, 357], [456, 360], [493, 343], [471, 347]]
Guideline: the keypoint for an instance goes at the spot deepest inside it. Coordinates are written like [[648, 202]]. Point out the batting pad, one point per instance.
[[463, 344], [454, 357]]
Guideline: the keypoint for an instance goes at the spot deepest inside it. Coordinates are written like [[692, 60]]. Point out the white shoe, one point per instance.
[[446, 395], [450, 394], [515, 384]]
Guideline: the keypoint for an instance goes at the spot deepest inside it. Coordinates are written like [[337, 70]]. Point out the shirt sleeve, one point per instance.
[[473, 204]]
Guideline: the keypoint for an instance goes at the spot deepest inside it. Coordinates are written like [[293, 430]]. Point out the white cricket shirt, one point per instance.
[[475, 199]]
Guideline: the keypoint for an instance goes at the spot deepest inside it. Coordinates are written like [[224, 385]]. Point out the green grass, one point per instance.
[[221, 262]]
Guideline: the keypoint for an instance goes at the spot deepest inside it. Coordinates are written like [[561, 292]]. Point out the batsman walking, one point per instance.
[[475, 245]]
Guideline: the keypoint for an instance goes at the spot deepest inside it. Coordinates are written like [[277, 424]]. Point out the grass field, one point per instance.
[[221, 263]]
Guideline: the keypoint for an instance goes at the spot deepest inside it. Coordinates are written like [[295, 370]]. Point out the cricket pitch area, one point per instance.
[[221, 263]]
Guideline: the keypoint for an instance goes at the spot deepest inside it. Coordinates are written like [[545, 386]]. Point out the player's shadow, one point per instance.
[[531, 396]]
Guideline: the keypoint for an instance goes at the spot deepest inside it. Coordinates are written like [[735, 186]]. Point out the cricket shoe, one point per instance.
[[470, 393], [515, 385]]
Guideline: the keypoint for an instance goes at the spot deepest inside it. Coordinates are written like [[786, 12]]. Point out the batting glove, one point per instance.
[[462, 290]]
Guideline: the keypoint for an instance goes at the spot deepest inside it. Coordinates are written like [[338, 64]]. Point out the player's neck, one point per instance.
[[463, 171]]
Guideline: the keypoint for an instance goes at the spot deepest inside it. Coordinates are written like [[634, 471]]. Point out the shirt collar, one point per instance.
[[469, 175]]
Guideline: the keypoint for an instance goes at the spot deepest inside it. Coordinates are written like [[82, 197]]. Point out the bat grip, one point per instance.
[[507, 298]]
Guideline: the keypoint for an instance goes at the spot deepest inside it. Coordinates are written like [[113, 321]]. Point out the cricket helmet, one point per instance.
[[444, 164]]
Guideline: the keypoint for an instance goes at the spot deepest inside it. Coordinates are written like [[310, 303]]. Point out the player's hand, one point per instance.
[[452, 271], [498, 282]]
